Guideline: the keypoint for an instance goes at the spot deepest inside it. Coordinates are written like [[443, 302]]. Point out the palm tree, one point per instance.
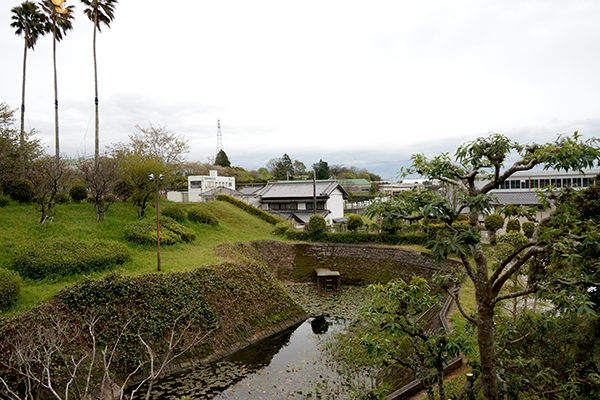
[[99, 12], [60, 22], [30, 23]]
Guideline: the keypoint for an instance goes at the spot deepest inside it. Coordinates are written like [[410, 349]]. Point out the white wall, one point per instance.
[[335, 204]]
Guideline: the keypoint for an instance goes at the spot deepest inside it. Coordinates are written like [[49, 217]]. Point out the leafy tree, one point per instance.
[[180, 183], [299, 168], [134, 169], [30, 23], [321, 170], [281, 168], [393, 330], [222, 159], [153, 150], [484, 158], [99, 12], [60, 22], [14, 156]]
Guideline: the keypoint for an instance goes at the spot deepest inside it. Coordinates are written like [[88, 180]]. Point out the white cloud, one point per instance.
[[352, 83]]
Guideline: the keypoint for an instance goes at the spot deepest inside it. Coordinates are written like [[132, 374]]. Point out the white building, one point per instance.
[[199, 184], [295, 200]]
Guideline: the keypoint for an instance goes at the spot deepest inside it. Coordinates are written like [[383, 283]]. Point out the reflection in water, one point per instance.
[[319, 325], [286, 366]]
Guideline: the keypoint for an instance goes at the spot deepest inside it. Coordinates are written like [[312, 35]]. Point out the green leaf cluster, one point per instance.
[[67, 256]]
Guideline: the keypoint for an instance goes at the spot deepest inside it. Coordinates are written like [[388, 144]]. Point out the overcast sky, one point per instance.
[[357, 83]]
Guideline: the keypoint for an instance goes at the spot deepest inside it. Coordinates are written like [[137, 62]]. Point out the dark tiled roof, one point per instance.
[[298, 189], [517, 198]]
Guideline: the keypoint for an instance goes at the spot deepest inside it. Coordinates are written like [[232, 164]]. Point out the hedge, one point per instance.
[[177, 213], [171, 232], [67, 256], [265, 216], [358, 237], [203, 216]]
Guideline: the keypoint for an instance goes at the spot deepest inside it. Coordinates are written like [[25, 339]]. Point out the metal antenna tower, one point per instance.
[[219, 138]]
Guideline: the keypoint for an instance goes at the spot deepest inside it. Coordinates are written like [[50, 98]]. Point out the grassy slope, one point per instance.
[[20, 224]]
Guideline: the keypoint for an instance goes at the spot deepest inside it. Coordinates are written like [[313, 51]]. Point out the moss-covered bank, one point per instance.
[[223, 305]]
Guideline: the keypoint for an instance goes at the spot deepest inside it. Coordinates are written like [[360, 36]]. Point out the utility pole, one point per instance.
[[314, 189]]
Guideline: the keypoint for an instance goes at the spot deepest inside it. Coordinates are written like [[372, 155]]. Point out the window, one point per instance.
[[586, 182], [577, 182], [544, 182], [556, 182], [515, 184], [566, 182], [534, 183], [196, 184]]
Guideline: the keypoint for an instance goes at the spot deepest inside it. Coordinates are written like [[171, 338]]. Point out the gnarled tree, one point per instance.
[[478, 168]]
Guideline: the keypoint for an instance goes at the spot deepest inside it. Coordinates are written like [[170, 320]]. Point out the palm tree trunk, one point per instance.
[[22, 136], [56, 137], [97, 131], [22, 132]]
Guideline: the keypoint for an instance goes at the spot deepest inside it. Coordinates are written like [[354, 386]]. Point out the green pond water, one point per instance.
[[289, 365]]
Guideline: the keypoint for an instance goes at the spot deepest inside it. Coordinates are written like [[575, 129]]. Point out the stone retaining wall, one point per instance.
[[357, 264]]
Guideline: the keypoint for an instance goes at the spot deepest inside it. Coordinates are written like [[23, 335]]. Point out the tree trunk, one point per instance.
[[97, 129], [56, 136], [485, 325], [485, 340], [22, 133]]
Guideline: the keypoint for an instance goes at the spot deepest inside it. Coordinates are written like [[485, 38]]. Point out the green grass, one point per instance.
[[20, 225]]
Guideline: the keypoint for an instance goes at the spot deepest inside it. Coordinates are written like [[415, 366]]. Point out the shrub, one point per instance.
[[281, 228], [21, 190], [4, 201], [513, 225], [175, 212], [171, 232], [316, 224], [432, 229], [78, 192], [528, 229], [203, 216], [462, 218], [61, 198], [393, 228], [512, 240], [493, 222], [354, 222], [67, 256], [10, 288], [265, 216]]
